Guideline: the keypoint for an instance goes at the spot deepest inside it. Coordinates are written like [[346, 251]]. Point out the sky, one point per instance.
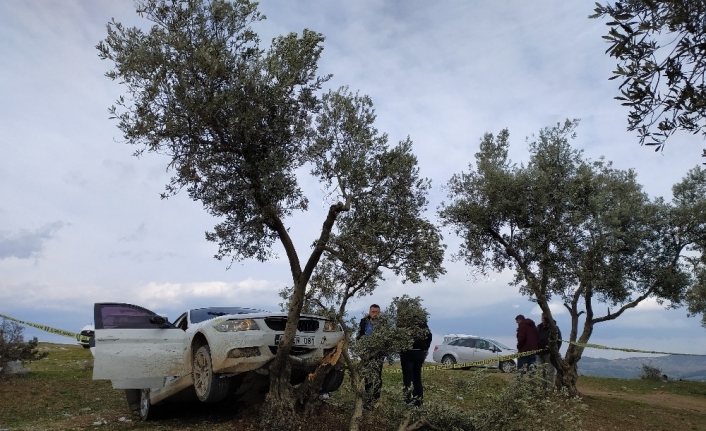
[[81, 219]]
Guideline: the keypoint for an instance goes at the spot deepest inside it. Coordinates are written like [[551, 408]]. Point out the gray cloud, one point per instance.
[[27, 244]]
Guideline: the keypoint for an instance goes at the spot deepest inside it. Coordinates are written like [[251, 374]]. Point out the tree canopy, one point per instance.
[[660, 46], [574, 230]]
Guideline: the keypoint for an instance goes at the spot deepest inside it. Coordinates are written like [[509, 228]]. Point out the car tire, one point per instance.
[[333, 380], [448, 360], [209, 387], [507, 366], [147, 411]]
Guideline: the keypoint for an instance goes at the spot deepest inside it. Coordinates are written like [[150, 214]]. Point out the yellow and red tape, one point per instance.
[[48, 328], [435, 367]]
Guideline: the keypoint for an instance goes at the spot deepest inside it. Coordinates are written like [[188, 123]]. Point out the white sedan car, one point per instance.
[[468, 348], [206, 351]]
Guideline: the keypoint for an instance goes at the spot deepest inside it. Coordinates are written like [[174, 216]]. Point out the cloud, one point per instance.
[[137, 235], [204, 294], [557, 308], [27, 244]]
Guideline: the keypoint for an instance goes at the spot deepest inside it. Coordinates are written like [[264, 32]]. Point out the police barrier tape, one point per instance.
[[436, 367], [523, 354], [470, 364], [49, 329], [598, 346]]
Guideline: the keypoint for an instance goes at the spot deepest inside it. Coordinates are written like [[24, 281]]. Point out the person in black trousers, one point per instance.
[[412, 361]]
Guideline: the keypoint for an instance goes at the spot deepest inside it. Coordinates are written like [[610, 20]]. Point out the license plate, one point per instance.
[[299, 340]]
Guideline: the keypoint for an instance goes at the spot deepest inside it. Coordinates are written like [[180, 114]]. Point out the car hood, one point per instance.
[[261, 315]]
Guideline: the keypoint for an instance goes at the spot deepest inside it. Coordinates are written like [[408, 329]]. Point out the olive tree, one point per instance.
[[659, 45], [13, 346], [690, 196], [573, 230], [242, 125]]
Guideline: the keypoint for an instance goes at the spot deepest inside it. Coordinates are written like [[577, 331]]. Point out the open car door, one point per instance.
[[136, 348]]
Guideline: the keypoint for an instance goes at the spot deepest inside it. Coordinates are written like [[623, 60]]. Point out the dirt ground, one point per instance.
[[657, 398]]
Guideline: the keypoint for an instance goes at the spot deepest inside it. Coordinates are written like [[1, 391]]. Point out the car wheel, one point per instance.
[[448, 360], [147, 410], [507, 366], [333, 380], [209, 386]]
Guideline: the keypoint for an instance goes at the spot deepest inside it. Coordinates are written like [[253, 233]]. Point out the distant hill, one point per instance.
[[675, 367]]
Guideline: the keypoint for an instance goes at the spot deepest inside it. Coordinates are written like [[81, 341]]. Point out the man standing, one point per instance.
[[527, 340], [412, 361], [543, 358], [373, 370]]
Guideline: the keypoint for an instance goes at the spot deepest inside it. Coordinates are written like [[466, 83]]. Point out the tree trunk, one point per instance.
[[359, 389], [279, 410], [567, 369], [566, 377]]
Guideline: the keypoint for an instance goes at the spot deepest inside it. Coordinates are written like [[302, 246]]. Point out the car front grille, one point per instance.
[[279, 323]]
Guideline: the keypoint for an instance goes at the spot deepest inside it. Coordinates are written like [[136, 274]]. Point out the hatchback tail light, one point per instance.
[[436, 348]]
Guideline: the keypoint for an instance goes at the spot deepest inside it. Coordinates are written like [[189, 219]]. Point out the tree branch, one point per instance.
[[629, 305]]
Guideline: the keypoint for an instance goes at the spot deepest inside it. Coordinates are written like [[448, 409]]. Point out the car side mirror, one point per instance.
[[158, 320]]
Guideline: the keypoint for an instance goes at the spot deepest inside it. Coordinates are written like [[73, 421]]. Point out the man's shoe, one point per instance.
[[407, 395]]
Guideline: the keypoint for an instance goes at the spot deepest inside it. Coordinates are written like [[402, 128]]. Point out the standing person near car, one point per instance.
[[543, 358], [527, 340], [373, 373], [412, 361]]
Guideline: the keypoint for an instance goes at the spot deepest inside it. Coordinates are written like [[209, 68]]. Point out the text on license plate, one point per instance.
[[299, 340]]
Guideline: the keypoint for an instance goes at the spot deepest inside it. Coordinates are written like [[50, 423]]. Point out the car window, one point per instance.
[[469, 342], [500, 345], [124, 316], [482, 344], [456, 342], [200, 314], [182, 322]]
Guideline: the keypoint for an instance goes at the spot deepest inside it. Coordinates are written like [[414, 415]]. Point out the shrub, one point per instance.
[[14, 348], [650, 373], [518, 404]]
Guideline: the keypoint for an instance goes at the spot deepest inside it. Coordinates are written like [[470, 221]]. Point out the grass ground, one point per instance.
[[59, 394]]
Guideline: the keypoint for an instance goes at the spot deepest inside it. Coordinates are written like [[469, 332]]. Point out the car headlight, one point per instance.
[[331, 326], [236, 325]]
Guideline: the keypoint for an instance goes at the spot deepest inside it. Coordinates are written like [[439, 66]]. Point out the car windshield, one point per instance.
[[499, 344], [201, 314]]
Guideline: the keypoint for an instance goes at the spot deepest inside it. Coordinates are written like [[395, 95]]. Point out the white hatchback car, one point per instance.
[[206, 351], [468, 348], [85, 335]]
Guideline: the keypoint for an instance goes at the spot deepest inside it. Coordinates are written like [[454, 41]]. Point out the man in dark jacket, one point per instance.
[[373, 373], [412, 361], [527, 340], [543, 358]]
